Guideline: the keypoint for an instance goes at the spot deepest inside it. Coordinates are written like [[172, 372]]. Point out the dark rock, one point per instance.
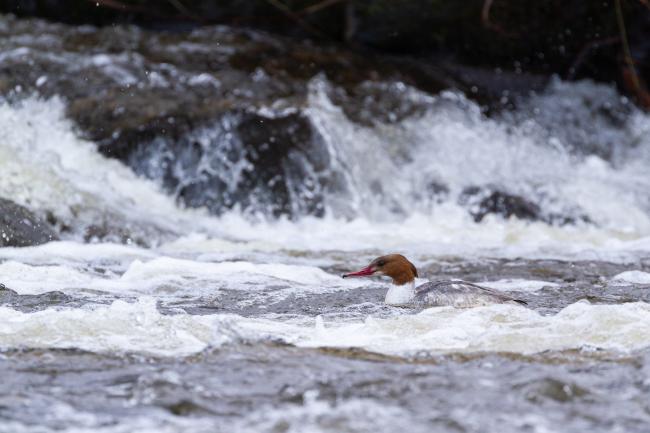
[[31, 303], [438, 192], [482, 202], [272, 165], [5, 291], [19, 227], [507, 205]]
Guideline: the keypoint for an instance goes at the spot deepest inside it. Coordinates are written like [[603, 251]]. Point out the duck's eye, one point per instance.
[[381, 263]]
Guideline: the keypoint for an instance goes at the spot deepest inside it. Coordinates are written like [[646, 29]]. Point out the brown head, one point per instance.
[[395, 266]]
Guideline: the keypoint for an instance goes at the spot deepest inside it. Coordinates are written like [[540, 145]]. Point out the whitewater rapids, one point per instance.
[[213, 323]]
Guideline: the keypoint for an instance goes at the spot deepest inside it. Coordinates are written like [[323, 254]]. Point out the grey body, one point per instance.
[[460, 294]]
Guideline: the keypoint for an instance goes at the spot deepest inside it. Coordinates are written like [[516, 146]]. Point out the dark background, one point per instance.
[[572, 39]]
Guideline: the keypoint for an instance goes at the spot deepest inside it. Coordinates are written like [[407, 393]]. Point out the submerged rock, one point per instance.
[[19, 227], [483, 201], [31, 303]]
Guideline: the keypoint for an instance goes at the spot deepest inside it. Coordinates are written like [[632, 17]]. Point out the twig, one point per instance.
[[485, 18], [288, 12], [629, 73], [626, 47], [182, 9], [114, 4], [350, 22], [582, 55], [485, 13], [319, 6]]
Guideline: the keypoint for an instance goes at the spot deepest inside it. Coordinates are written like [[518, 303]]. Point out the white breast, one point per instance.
[[400, 295]]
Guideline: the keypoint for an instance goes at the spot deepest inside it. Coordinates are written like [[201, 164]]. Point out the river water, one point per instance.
[[237, 321]]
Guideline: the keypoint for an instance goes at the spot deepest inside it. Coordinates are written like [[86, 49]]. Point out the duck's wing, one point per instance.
[[459, 294]]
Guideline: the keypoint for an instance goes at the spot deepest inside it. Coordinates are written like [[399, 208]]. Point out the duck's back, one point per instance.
[[460, 294]]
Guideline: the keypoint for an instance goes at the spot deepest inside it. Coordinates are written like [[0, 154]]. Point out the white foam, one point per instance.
[[33, 280], [390, 167], [233, 272], [75, 252], [447, 230], [498, 328], [634, 277], [140, 328], [125, 270], [46, 166], [120, 327]]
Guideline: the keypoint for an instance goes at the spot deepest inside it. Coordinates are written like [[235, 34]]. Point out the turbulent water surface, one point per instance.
[[150, 315]]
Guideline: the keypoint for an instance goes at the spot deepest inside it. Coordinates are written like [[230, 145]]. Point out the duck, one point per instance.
[[404, 293]]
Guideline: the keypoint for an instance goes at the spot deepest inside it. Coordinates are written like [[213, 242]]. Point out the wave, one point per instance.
[[140, 328]]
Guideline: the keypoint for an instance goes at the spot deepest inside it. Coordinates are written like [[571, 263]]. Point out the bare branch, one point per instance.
[[114, 4], [584, 53], [320, 6], [184, 10], [302, 23], [485, 19]]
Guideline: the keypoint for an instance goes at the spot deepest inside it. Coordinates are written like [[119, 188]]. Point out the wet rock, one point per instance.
[[482, 203], [290, 144], [438, 192], [554, 389], [272, 165], [6, 292], [19, 227], [31, 303], [371, 103]]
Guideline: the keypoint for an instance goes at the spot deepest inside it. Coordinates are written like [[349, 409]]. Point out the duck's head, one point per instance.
[[395, 266]]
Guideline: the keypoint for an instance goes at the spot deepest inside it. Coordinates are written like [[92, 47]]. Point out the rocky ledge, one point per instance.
[[19, 227]]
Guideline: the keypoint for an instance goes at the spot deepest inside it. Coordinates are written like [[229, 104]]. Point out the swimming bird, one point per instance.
[[403, 291]]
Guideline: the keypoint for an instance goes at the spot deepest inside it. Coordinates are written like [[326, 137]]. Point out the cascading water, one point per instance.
[[415, 164], [434, 168]]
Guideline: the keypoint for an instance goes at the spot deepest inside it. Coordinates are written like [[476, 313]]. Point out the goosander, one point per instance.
[[403, 292]]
